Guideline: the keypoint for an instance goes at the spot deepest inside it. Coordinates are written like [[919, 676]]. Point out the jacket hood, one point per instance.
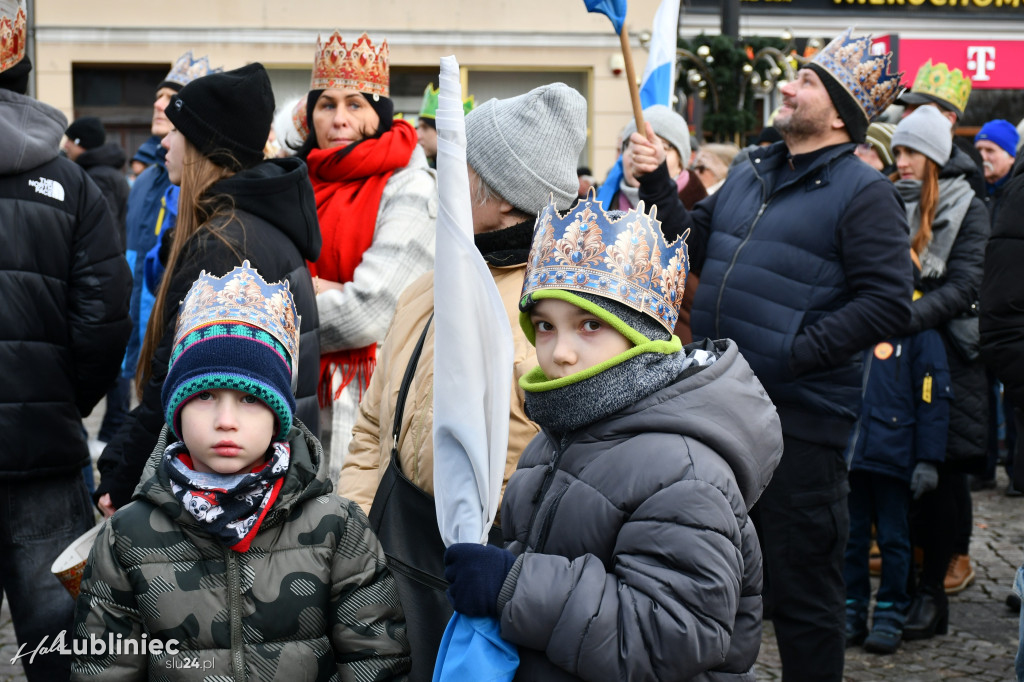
[[31, 131], [109, 154], [306, 478], [960, 164], [723, 406], [278, 190]]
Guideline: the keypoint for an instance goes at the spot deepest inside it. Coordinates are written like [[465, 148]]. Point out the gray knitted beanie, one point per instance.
[[526, 148], [926, 131], [644, 324], [667, 124]]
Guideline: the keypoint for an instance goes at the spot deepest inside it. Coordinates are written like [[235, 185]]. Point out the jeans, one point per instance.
[[803, 522], [39, 518], [888, 499]]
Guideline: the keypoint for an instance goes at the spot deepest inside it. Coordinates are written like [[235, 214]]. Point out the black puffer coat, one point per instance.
[[103, 164], [1002, 291], [64, 312], [947, 297], [273, 226], [639, 561]]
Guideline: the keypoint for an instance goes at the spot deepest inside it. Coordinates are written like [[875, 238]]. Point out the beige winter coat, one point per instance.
[[370, 448]]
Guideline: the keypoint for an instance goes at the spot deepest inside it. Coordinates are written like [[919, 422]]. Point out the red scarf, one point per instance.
[[348, 184]]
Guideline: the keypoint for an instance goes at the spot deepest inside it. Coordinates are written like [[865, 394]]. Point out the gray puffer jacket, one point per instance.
[[639, 561]]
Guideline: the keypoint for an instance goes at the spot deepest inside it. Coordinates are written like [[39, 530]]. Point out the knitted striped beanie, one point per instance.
[[235, 332]]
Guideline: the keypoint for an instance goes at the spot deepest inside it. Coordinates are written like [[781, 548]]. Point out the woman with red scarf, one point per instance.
[[376, 200]]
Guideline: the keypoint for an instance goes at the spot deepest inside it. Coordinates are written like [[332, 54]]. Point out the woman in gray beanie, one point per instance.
[[949, 229], [233, 206]]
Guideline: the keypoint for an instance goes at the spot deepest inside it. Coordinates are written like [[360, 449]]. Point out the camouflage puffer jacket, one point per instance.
[[311, 599]]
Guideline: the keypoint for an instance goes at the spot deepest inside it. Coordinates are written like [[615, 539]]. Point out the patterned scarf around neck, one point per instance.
[[955, 196], [348, 184], [230, 507]]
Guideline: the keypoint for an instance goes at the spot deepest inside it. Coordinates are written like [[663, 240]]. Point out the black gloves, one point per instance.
[[476, 574]]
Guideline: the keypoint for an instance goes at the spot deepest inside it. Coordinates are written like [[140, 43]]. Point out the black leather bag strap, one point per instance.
[[403, 391]]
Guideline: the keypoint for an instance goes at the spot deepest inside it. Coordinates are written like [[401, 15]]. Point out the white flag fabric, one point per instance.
[[659, 78], [473, 348]]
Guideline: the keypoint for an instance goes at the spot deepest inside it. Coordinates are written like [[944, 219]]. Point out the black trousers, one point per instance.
[[803, 523]]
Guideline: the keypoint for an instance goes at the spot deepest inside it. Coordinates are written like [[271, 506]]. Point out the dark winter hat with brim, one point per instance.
[[226, 116]]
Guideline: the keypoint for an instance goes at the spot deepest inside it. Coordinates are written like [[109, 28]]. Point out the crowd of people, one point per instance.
[[741, 378]]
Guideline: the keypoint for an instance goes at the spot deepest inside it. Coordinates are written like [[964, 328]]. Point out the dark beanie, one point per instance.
[[226, 116], [853, 116], [15, 78], [87, 132]]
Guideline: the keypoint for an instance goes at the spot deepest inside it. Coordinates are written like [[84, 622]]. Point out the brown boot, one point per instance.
[[874, 559], [960, 574]]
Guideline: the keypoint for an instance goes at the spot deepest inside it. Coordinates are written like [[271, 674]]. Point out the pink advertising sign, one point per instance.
[[989, 64]]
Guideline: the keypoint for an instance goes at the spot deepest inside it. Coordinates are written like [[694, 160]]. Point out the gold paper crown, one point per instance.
[[936, 80], [12, 33], [624, 259], [865, 76], [360, 67], [243, 297], [187, 69]]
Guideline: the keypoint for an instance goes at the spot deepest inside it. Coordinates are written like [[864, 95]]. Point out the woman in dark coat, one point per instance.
[[949, 228], [233, 206]]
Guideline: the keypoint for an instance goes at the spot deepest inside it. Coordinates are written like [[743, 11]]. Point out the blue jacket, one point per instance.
[[906, 407], [141, 230], [804, 269]]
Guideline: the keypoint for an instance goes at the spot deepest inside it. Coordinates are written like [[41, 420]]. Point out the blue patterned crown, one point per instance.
[[187, 69], [865, 76], [240, 297], [624, 259]]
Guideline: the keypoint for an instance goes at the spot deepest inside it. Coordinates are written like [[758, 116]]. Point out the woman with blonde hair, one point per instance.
[[233, 206], [376, 199], [949, 229]]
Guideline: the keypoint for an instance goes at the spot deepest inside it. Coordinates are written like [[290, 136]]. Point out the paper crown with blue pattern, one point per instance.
[[864, 75], [236, 332], [624, 259], [186, 70]]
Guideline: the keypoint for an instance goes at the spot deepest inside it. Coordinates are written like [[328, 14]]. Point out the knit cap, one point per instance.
[[235, 332], [1001, 133], [526, 147], [666, 124], [879, 136], [926, 131], [87, 132], [226, 116]]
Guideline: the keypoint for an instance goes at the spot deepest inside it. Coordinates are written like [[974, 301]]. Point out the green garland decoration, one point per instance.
[[727, 59]]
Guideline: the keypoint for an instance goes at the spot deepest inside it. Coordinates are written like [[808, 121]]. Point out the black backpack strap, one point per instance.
[[410, 371]]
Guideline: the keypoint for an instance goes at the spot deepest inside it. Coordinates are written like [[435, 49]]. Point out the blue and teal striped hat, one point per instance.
[[235, 332]]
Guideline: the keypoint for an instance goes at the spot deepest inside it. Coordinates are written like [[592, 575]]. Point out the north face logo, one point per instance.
[[49, 188]]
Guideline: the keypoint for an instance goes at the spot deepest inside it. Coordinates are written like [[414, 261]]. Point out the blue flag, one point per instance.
[[613, 9]]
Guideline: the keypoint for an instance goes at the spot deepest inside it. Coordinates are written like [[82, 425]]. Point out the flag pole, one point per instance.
[[634, 91]]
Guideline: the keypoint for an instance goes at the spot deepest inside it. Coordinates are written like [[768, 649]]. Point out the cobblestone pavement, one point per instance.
[[980, 646]]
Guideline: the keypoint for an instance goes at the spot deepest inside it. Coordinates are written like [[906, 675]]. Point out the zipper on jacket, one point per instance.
[[235, 612], [542, 538], [549, 477], [765, 200]]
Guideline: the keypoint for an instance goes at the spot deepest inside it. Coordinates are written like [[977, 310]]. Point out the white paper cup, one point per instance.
[[69, 565]]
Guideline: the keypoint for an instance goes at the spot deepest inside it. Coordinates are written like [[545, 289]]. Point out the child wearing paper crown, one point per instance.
[[894, 452], [234, 548], [631, 554]]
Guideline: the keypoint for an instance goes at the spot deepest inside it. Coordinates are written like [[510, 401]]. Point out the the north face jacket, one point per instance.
[[638, 558], [311, 599], [103, 164], [64, 311]]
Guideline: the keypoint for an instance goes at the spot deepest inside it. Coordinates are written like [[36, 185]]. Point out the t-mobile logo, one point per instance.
[[980, 59]]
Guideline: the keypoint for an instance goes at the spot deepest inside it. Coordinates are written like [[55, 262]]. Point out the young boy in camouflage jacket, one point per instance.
[[234, 559]]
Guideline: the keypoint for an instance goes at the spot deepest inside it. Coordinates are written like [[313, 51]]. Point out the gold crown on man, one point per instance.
[[360, 67], [12, 33], [865, 76]]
